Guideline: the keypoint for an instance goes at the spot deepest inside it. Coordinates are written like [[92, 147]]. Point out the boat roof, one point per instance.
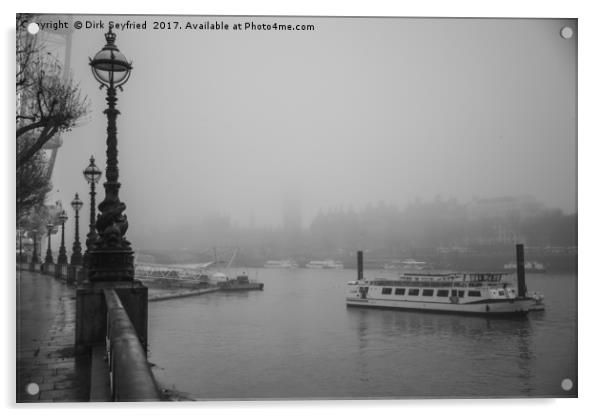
[[445, 275], [430, 273], [440, 273]]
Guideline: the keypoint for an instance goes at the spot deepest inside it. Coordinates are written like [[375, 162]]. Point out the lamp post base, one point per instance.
[[90, 320], [77, 259], [62, 259], [111, 265]]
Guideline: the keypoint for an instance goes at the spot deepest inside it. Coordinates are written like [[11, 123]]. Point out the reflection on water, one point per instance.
[[458, 346], [297, 339]]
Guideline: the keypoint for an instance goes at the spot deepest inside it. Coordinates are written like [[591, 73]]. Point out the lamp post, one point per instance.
[[111, 257], [48, 260], [92, 174], [62, 258], [20, 260], [35, 258], [76, 255]]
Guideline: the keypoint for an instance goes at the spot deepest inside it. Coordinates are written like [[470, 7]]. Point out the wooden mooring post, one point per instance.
[[520, 270], [360, 265]]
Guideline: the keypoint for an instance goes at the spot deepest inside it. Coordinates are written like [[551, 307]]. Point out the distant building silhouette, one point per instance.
[[503, 207], [292, 220], [504, 215]]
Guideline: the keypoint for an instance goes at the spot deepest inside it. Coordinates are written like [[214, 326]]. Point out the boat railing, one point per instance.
[[435, 284]]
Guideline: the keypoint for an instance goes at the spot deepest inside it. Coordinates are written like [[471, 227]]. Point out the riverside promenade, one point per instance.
[[47, 368]]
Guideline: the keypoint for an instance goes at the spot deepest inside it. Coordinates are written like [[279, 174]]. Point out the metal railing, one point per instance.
[[70, 274], [61, 271], [130, 376], [49, 269]]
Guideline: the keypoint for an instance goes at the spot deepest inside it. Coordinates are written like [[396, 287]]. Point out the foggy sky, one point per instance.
[[360, 110]]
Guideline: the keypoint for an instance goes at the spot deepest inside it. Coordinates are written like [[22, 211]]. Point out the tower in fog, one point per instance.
[[291, 214]]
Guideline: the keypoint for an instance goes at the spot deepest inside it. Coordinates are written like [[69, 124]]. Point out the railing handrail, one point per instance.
[[130, 374]]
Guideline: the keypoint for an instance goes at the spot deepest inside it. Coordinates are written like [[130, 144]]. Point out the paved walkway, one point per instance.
[[47, 369]]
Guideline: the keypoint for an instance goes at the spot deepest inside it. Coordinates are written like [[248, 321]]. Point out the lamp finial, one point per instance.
[[110, 37]]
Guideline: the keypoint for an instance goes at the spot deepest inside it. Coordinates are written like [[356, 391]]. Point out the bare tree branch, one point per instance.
[[48, 100]]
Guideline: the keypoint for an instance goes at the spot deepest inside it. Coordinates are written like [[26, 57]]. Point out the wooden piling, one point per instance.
[[520, 270]]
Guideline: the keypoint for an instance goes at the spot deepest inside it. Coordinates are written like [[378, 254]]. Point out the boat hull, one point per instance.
[[515, 307], [234, 286]]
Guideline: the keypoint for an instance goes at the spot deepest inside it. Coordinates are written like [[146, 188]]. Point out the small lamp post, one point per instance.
[[35, 258], [92, 174], [76, 255], [48, 260], [111, 257], [62, 258], [20, 259]]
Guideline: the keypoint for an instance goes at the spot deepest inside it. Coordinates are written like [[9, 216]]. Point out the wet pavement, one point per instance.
[[47, 368]]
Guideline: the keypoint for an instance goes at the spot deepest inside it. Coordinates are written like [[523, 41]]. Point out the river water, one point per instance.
[[297, 339]]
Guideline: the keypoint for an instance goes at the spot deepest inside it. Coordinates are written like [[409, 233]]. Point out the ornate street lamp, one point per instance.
[[111, 257], [62, 258], [48, 260], [92, 174], [76, 255]]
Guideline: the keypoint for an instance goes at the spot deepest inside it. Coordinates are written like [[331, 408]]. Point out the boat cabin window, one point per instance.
[[461, 293], [454, 293], [427, 293], [413, 291], [500, 292], [400, 291], [474, 293], [387, 290], [442, 293]]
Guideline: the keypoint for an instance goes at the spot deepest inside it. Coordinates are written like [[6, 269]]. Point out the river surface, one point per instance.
[[297, 339]]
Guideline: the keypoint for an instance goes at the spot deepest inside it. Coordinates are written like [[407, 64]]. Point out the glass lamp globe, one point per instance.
[[76, 203], [109, 66], [92, 174]]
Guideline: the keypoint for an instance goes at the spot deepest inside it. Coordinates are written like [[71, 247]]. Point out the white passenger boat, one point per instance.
[[286, 264], [327, 264], [455, 292], [406, 264]]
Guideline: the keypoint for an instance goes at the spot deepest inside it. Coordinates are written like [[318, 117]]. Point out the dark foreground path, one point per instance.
[[47, 369]]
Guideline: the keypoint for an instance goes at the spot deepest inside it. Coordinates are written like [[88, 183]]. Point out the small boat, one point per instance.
[[240, 283], [530, 266], [286, 264], [326, 264], [406, 264]]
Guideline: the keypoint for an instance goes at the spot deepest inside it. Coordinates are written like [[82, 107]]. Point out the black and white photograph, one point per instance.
[[290, 208]]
